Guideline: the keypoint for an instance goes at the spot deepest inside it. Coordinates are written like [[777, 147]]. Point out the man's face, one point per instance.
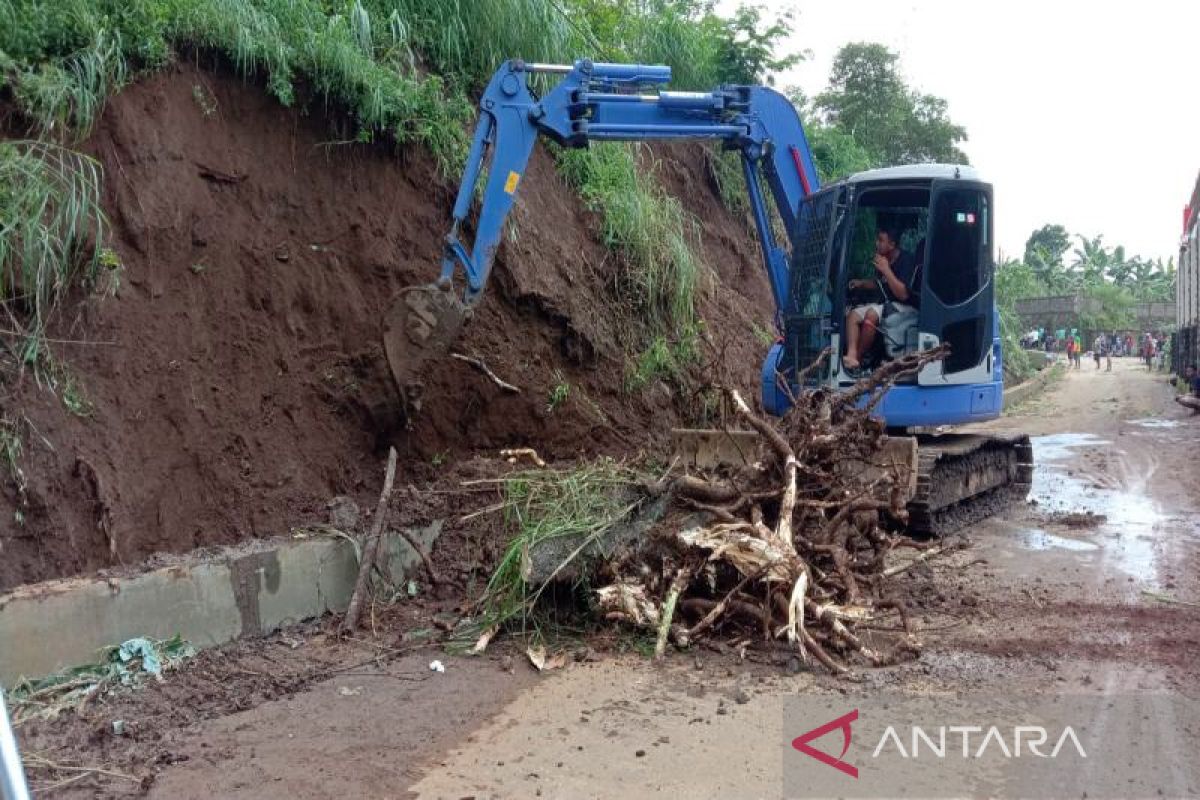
[[884, 244], [1190, 372]]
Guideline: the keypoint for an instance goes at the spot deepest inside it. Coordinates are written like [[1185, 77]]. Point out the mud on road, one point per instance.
[[1090, 587]]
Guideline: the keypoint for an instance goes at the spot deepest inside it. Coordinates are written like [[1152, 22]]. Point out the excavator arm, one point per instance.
[[595, 102]]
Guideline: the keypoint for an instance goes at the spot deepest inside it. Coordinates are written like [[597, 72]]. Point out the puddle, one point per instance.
[[1038, 539], [1125, 541], [1062, 445], [1150, 422]]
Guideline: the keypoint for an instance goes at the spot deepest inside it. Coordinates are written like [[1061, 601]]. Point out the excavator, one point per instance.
[[942, 214]]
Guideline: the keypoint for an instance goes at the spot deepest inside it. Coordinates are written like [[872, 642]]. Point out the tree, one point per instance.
[[703, 48], [1092, 261], [835, 152], [868, 99], [748, 43], [1045, 247]]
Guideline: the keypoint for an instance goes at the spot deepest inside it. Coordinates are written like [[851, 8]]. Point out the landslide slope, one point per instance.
[[236, 380]]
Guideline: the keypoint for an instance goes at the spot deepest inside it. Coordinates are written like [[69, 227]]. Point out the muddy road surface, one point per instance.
[[1090, 590]]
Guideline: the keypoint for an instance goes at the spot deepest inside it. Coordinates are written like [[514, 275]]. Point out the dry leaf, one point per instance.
[[537, 657], [484, 639]]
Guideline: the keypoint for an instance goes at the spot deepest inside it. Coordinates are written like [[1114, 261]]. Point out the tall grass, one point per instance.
[[574, 506], [66, 56], [652, 230], [68, 95], [51, 230], [684, 41], [466, 40]]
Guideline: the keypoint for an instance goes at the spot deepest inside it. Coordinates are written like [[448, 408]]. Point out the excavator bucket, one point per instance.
[[420, 327]]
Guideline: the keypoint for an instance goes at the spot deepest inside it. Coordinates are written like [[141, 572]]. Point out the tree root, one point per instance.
[[791, 549]]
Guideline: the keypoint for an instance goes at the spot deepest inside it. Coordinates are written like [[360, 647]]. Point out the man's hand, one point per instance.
[[882, 266]]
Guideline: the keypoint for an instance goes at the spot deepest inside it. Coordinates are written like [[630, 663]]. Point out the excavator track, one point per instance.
[[963, 478]]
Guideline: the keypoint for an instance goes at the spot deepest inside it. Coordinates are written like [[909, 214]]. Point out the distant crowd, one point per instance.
[[1151, 348]]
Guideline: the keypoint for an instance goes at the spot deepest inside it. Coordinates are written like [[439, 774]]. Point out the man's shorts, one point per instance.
[[860, 312]]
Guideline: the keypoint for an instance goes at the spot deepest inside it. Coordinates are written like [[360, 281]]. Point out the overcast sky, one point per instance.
[[1080, 113]]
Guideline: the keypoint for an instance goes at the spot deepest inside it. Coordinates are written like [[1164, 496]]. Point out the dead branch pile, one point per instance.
[[789, 552]]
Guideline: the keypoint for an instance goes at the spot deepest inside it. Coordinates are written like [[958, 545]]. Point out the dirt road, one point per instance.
[[1048, 599]]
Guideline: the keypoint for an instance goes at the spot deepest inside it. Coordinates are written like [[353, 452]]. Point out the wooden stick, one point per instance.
[[478, 364], [923, 557], [767, 431], [434, 578], [815, 648], [682, 578], [38, 761], [716, 611], [370, 548]]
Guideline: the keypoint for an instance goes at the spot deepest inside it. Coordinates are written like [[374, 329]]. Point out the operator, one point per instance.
[[895, 268]]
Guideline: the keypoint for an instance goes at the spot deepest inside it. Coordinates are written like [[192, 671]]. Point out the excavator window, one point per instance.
[[957, 269]]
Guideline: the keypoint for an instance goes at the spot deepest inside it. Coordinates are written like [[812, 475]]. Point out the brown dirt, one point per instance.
[[237, 377], [1001, 617], [342, 681]]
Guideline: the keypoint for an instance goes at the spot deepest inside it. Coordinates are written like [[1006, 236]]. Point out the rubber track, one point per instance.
[[963, 478]]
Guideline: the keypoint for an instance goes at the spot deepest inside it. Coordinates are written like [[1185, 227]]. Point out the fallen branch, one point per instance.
[[478, 364], [434, 578], [682, 578], [925, 555], [34, 761], [370, 549]]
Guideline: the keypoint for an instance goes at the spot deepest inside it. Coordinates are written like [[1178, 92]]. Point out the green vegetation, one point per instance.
[[65, 56], [403, 69], [74, 399], [51, 230], [11, 448], [1092, 265], [869, 100], [666, 359], [648, 226], [725, 170], [559, 393], [577, 506]]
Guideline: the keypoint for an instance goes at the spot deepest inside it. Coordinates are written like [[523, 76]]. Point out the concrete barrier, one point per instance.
[[1025, 390], [248, 590]]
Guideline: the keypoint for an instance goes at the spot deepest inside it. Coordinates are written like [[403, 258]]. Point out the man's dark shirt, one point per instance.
[[904, 268]]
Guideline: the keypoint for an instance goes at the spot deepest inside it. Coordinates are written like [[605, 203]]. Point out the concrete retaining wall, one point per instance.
[[248, 591], [1015, 395]]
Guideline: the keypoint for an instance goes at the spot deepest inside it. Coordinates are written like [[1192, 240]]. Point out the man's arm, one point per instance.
[[898, 287]]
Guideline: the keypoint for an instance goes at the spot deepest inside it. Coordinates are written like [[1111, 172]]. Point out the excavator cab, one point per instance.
[[942, 217]]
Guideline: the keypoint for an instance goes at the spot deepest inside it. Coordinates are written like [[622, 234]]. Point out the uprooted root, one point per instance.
[[792, 549]]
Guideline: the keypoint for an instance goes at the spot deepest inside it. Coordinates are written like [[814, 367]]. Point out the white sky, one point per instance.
[[1080, 113]]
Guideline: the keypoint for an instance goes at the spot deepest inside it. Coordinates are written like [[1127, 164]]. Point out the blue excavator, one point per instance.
[[939, 217]]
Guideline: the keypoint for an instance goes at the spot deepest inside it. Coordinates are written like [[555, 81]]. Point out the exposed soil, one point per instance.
[[238, 384], [237, 376], [1032, 606]]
